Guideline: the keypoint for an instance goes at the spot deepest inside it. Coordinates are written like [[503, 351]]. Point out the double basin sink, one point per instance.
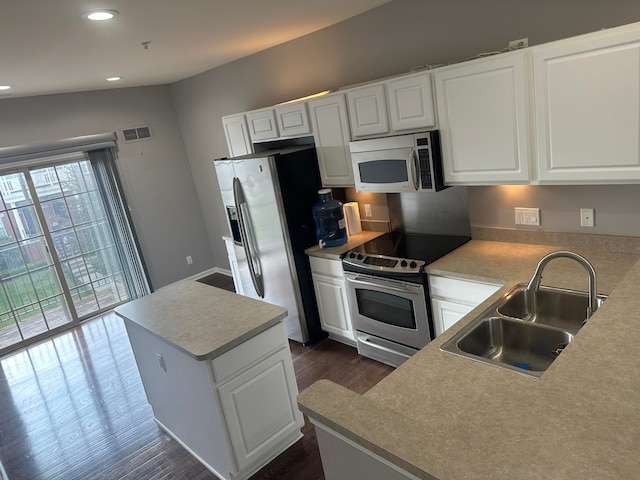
[[526, 329]]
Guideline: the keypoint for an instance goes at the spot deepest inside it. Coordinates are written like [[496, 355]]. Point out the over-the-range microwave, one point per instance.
[[400, 163]]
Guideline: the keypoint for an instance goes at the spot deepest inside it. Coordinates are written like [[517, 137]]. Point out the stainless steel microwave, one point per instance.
[[400, 163]]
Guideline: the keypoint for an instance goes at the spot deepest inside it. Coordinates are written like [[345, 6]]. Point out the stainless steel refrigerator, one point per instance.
[[268, 198]]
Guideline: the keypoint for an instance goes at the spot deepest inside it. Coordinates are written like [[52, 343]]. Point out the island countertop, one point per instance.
[[447, 417], [201, 320]]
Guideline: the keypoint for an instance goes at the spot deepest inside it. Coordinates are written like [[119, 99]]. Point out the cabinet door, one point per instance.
[[453, 298], [260, 407], [293, 120], [368, 110], [411, 102], [333, 307], [484, 121], [445, 314], [237, 135], [587, 106], [262, 125], [331, 133]]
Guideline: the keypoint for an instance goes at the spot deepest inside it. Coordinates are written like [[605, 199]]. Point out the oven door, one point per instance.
[[389, 309]]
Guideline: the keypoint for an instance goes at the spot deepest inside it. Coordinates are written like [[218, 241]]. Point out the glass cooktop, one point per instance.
[[413, 246]]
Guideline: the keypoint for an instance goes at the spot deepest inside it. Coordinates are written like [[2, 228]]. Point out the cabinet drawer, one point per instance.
[[249, 352], [326, 266], [462, 291]]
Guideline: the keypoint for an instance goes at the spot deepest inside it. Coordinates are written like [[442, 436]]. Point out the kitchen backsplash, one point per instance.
[[607, 243], [443, 213]]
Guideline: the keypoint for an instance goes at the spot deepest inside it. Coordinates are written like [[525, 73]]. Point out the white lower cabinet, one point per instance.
[[259, 405], [452, 299], [234, 413], [331, 296], [344, 459]]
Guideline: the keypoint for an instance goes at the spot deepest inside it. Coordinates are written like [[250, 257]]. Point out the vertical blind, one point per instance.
[[108, 183], [100, 150]]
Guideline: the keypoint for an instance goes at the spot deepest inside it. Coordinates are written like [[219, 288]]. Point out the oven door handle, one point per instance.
[[371, 282]]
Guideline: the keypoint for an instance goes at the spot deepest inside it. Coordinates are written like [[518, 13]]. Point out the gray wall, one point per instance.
[[156, 175], [174, 220], [389, 40], [617, 207]]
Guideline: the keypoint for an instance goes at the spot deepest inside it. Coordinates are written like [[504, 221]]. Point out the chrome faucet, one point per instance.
[[534, 283]]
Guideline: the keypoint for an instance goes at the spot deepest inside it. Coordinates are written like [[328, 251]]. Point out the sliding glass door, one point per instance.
[[58, 261]]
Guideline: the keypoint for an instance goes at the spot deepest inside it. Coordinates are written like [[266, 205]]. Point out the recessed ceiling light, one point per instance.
[[100, 15], [5, 87], [113, 79]]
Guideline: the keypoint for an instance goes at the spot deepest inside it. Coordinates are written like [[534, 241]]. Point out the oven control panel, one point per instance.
[[382, 263]]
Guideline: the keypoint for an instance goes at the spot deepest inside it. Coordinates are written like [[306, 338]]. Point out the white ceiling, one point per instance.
[[46, 47]]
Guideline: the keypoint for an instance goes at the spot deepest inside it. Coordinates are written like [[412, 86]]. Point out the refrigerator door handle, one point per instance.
[[247, 237]]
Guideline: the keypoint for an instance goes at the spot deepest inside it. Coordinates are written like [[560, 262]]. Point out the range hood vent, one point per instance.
[[135, 134]]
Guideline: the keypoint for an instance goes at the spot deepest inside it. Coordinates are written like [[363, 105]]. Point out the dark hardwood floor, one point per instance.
[[73, 407]]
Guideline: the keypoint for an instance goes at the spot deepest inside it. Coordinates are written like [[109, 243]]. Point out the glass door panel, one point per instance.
[[81, 236], [58, 260], [31, 297]]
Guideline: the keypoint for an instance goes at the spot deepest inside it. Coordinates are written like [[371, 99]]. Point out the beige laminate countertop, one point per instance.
[[336, 253], [447, 417], [201, 320]]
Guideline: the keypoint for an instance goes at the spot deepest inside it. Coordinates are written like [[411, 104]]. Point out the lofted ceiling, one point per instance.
[[47, 47]]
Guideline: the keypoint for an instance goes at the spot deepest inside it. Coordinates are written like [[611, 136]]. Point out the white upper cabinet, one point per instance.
[[483, 112], [411, 102], [331, 134], [262, 125], [368, 110], [392, 106], [587, 108], [293, 119], [237, 135]]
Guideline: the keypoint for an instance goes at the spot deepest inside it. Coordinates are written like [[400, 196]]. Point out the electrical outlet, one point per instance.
[[527, 216], [161, 362], [587, 217], [189, 260], [517, 44], [367, 210]]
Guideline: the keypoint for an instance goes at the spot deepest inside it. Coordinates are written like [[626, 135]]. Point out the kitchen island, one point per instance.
[[217, 370], [447, 417]]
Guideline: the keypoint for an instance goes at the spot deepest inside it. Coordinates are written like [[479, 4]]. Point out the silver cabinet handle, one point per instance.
[[247, 238]]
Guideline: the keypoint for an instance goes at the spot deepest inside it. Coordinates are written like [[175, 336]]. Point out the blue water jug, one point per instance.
[[331, 228]]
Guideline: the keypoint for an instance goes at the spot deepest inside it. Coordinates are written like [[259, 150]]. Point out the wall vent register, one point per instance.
[[135, 134]]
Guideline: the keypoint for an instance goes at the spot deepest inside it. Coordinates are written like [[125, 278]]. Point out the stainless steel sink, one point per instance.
[[523, 331], [520, 346], [564, 309], [530, 326]]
